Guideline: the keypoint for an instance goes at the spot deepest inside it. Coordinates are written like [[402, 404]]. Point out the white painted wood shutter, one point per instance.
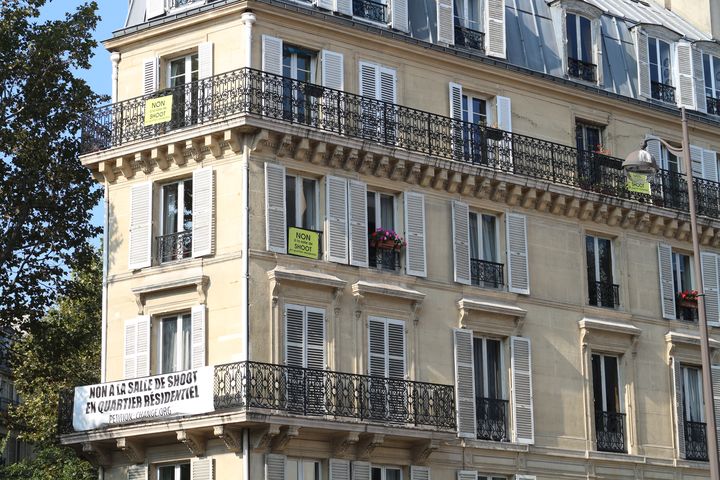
[[275, 220], [130, 357], [461, 242], [150, 75], [699, 74], [369, 79], [467, 475], [504, 113], [336, 208], [304, 337], [332, 70], [522, 396], [517, 253], [357, 211], [399, 15], [464, 383], [203, 203], [709, 165], [205, 60], [339, 469], [387, 89], [395, 349], [154, 8], [696, 160], [667, 287], [415, 262], [446, 22], [376, 347], [341, 6], [643, 65], [456, 114], [272, 54], [315, 338], [360, 471], [386, 347], [495, 28], [137, 347], [715, 375], [294, 336], [197, 333], [137, 472], [203, 469], [685, 75], [140, 244], [653, 147], [419, 473], [326, 4], [274, 466], [709, 266], [679, 406]]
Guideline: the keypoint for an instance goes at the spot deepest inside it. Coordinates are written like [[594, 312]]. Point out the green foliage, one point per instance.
[[51, 463]]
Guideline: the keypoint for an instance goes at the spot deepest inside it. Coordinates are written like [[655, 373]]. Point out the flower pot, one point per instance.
[[386, 245], [688, 303]]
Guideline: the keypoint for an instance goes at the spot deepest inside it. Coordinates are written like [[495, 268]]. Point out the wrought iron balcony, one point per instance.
[[583, 70], [174, 246], [610, 431], [252, 92], [384, 258], [713, 105], [662, 92], [696, 441], [468, 37], [688, 314], [487, 274], [370, 10], [491, 414], [603, 294], [183, 3]]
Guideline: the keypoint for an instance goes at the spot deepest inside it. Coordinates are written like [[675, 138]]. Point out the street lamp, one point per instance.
[[641, 161]]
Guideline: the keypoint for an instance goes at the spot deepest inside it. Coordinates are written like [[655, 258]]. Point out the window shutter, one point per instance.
[[419, 473], [522, 397], [326, 4], [710, 272], [274, 466], [315, 338], [154, 8], [150, 75], [332, 69], [446, 22], [504, 113], [696, 160], [415, 263], [377, 358], [685, 75], [369, 73], [130, 370], [137, 472], [357, 211], [667, 288], [294, 336], [202, 212], [143, 346], [465, 383], [517, 254], [203, 469], [275, 221], [495, 28], [641, 51], [360, 471], [396, 349], [699, 74], [140, 226], [272, 55], [336, 209], [715, 373], [653, 147], [339, 469], [399, 15], [709, 165], [467, 475], [525, 477], [198, 336], [388, 85], [679, 406], [456, 115], [461, 242], [341, 6], [205, 60]]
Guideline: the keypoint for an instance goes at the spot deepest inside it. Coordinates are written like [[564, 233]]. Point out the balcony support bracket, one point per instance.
[[175, 151], [265, 437], [281, 441], [285, 146], [232, 138], [195, 443], [230, 436], [301, 150], [125, 166], [159, 156], [413, 174], [423, 450], [132, 450], [95, 454], [368, 444], [344, 444]]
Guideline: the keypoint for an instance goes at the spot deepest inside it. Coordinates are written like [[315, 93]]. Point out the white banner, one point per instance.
[[180, 393]]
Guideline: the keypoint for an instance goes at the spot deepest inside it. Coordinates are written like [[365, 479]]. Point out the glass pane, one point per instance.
[[177, 72], [597, 383], [716, 76], [474, 241], [479, 360], [392, 474], [308, 206], [479, 112], [371, 213], [693, 394], [489, 238], [169, 345], [493, 369], [376, 473], [170, 209], [186, 342], [474, 12], [590, 259], [291, 469], [672, 161], [571, 35], [594, 142], [612, 384], [585, 40], [195, 72], [708, 76], [185, 471], [304, 63], [187, 205], [290, 201], [665, 62], [465, 114], [166, 473], [653, 59], [686, 282], [387, 212], [605, 260]]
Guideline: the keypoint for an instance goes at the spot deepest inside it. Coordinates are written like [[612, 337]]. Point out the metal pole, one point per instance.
[[702, 320]]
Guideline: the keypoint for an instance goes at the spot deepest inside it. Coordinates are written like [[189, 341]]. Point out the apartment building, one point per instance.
[[392, 240]]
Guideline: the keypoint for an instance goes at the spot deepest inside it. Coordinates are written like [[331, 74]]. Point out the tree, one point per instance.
[[47, 195]]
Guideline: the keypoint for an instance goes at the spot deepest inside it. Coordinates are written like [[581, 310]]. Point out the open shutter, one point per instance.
[[140, 246], [339, 469], [679, 407], [495, 28], [517, 253], [464, 383], [137, 472], [274, 466], [272, 53], [360, 471], [336, 209], [198, 336], [332, 69], [143, 346], [653, 147], [150, 75], [685, 74], [709, 165], [130, 359], [446, 22], [315, 338], [294, 336], [461, 242], [467, 475], [504, 113], [203, 469], [275, 221], [696, 160], [388, 85], [641, 51], [326, 4], [419, 473], [399, 15], [357, 211], [154, 8], [342, 6], [715, 373], [710, 286], [456, 115], [525, 477], [369, 73], [205, 60], [415, 263], [396, 349], [202, 212], [667, 288], [699, 74], [377, 354], [522, 397]]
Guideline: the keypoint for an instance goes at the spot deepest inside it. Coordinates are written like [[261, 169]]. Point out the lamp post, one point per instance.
[[641, 161]]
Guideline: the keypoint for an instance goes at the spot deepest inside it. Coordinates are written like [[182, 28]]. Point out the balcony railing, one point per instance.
[[696, 441], [603, 294], [374, 11], [468, 37], [491, 414], [320, 393], [174, 246], [662, 92], [182, 3], [582, 70], [610, 431], [384, 259], [487, 274], [248, 91], [713, 105]]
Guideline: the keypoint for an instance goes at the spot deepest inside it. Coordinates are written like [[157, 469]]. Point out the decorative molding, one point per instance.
[[200, 283], [343, 444], [508, 319], [194, 442], [367, 445], [421, 453], [96, 454], [230, 436], [580, 7], [265, 437], [281, 441], [133, 450], [659, 31]]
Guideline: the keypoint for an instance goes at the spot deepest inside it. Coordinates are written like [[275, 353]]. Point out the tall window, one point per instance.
[[711, 69], [174, 472], [474, 113], [660, 64], [468, 14], [296, 469], [588, 137], [485, 269], [579, 47], [298, 64], [693, 394], [174, 343], [682, 280], [176, 221], [609, 420], [184, 71], [490, 407], [301, 202], [381, 214], [386, 473], [601, 290]]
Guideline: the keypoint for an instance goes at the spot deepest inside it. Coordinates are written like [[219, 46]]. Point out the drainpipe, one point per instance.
[[115, 59], [105, 259]]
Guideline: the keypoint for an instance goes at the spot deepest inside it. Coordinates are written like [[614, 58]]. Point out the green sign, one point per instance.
[[303, 243], [638, 183], [158, 110]]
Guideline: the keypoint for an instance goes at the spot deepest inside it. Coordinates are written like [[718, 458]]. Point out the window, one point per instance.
[[305, 349], [386, 365], [579, 48], [609, 419], [174, 472], [693, 413], [588, 138], [660, 70], [184, 71], [381, 214], [474, 114], [386, 473], [370, 9], [485, 269], [296, 469], [468, 14], [298, 64], [592, 159], [490, 407], [711, 68], [174, 343], [176, 221], [682, 281], [301, 202], [602, 292]]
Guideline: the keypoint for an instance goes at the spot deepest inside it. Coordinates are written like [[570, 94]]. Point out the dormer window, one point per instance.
[[579, 37], [711, 69], [468, 24], [580, 48], [659, 61]]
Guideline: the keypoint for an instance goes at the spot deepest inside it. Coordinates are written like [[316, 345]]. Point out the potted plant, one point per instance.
[[688, 298], [386, 240]]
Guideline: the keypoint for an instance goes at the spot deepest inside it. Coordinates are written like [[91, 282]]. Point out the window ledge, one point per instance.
[[504, 319], [711, 47], [607, 335], [200, 282], [687, 339], [608, 326], [363, 288], [659, 31], [280, 274]]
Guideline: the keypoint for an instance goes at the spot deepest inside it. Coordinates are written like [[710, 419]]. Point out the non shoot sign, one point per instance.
[[158, 110], [181, 393], [303, 243]]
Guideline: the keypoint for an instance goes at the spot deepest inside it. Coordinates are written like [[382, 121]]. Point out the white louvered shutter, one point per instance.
[[275, 220], [461, 242], [326, 4], [415, 262], [336, 209], [709, 165], [517, 253], [197, 333], [699, 74], [456, 115], [445, 22], [522, 396], [315, 338], [140, 244], [369, 73], [495, 28], [150, 75], [154, 8], [294, 335], [399, 15], [272, 52], [667, 288], [419, 473], [342, 6], [339, 469], [137, 472], [388, 85], [377, 340], [357, 211], [332, 70], [504, 113], [464, 383], [467, 475], [696, 160], [360, 471], [130, 358], [205, 60], [274, 466], [653, 147], [709, 262], [142, 345], [685, 75], [395, 349], [715, 374], [203, 469], [525, 477], [203, 203], [679, 406], [641, 52]]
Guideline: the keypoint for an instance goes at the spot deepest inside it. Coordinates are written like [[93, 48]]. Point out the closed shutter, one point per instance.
[[274, 466], [315, 338], [446, 22], [342, 6], [154, 8], [377, 340], [467, 475], [641, 51], [360, 471], [275, 221], [140, 247], [203, 469], [710, 285], [679, 407], [522, 397], [699, 74], [388, 93], [419, 473], [369, 73], [495, 28], [715, 372], [150, 75], [685, 74], [326, 4], [198, 341], [357, 211], [304, 337], [504, 147], [709, 165], [456, 115], [388, 85], [465, 383], [336, 209], [415, 263], [137, 472], [143, 346], [294, 336], [130, 359], [667, 288], [504, 113], [272, 49], [696, 160], [653, 148], [339, 469], [332, 70], [203, 212], [461, 242], [517, 253], [205, 60], [399, 15], [395, 349]]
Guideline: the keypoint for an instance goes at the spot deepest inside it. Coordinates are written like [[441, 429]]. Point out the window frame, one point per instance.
[[714, 89], [177, 472], [583, 127], [480, 243], [378, 196], [188, 58], [383, 471], [654, 43], [298, 179], [501, 367], [301, 471], [685, 382], [180, 317], [603, 381], [181, 183], [465, 18], [597, 255], [577, 55], [293, 56]]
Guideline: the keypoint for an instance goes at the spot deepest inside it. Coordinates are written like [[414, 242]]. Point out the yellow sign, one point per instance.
[[303, 243], [158, 110], [638, 183]]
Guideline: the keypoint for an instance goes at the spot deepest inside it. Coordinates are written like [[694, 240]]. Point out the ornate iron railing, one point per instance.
[[174, 246], [384, 258], [696, 441], [713, 105], [491, 414], [468, 37], [488, 274], [248, 91], [180, 3], [610, 431], [374, 11], [603, 294], [662, 91], [689, 314], [583, 70]]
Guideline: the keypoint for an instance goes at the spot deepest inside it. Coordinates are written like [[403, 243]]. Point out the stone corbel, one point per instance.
[[281, 441], [440, 180], [337, 297], [232, 138], [366, 163], [351, 160], [382, 167], [194, 149], [427, 176], [158, 155], [143, 159], [265, 437], [344, 443], [124, 164], [337, 158], [468, 185], [301, 150], [658, 224], [671, 228], [194, 442], [260, 141], [275, 292], [558, 205], [544, 202], [423, 450], [318, 154], [213, 144], [413, 174], [106, 169], [514, 195], [615, 216], [529, 198], [175, 151], [601, 214], [484, 189], [628, 220], [398, 170], [284, 146], [95, 454], [368, 444], [230, 436], [683, 233], [643, 222], [586, 211], [454, 182], [572, 208], [133, 450], [416, 309]]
